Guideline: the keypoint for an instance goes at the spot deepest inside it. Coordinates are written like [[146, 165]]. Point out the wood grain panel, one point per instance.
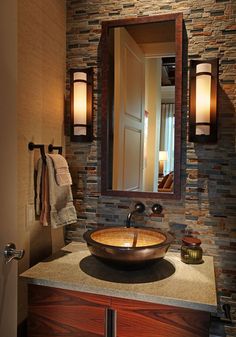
[[141, 319], [58, 312]]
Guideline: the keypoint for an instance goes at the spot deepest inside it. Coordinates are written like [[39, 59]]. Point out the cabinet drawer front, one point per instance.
[[57, 312], [141, 319]]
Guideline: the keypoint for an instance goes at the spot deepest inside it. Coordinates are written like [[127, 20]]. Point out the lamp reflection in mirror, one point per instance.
[[203, 101], [81, 104], [162, 159]]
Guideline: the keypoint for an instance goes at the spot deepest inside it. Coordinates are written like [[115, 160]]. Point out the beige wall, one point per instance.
[[41, 81], [8, 143]]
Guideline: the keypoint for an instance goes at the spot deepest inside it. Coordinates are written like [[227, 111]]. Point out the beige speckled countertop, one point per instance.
[[170, 282]]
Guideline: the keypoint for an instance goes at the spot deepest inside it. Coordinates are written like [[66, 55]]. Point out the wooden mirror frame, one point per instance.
[[106, 120]]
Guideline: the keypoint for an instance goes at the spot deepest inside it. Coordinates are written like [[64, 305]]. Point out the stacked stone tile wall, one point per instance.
[[208, 172]]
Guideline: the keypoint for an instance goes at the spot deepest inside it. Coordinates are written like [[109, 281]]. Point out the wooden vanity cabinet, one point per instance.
[[64, 313]]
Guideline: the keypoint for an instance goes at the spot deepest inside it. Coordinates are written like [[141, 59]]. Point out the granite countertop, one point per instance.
[[169, 282]]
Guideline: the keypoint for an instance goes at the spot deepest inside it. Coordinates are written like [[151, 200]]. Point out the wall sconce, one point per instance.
[[162, 158], [81, 93], [203, 101]]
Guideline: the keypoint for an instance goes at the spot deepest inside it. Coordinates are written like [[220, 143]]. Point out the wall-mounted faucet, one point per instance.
[[138, 208]]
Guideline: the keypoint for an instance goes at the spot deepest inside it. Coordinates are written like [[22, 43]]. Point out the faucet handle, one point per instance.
[[157, 208], [139, 207]]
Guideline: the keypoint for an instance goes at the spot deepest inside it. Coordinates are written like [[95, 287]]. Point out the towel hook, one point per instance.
[[51, 147], [32, 146]]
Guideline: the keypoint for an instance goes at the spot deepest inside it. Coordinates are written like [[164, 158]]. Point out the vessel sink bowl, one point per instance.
[[128, 247]]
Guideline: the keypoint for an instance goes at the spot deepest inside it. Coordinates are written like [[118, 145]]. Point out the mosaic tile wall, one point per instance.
[[208, 204]]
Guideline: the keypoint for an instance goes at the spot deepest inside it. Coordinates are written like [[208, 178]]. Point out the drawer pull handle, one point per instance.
[[110, 323]]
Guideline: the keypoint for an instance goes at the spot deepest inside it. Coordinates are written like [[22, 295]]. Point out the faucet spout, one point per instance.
[[128, 220], [139, 208]]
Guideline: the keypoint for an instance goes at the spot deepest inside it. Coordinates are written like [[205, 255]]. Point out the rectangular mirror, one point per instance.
[[141, 106]]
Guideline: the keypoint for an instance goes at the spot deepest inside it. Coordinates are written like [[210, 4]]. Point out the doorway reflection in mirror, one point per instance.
[[144, 107]]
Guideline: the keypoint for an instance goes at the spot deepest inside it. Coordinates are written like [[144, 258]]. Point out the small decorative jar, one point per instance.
[[191, 252]]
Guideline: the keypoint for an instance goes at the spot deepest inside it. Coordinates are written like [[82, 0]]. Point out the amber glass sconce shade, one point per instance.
[[203, 101], [81, 93]]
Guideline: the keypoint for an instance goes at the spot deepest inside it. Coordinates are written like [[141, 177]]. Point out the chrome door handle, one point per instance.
[[10, 253]]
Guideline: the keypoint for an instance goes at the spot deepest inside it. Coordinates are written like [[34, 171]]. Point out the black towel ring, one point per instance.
[[32, 146], [51, 148]]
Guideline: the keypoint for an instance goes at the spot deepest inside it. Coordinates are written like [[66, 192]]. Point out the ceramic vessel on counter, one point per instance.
[[191, 252]]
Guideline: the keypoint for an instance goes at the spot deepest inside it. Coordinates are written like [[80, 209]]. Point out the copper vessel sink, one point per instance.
[[128, 247]]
